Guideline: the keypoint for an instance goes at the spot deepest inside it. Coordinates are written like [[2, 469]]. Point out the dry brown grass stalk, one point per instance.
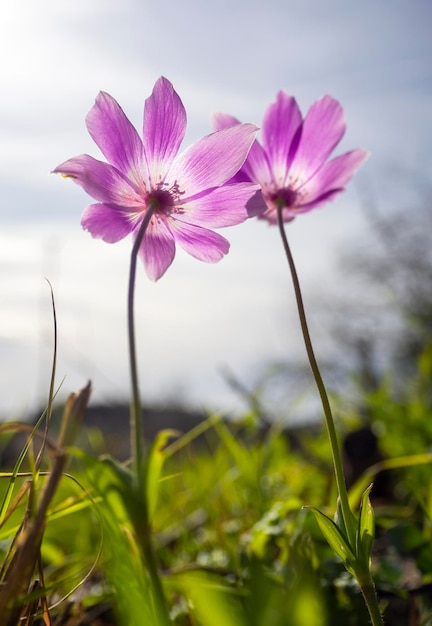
[[16, 582]]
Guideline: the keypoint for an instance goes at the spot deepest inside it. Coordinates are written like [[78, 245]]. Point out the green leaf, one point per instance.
[[272, 524], [366, 529], [335, 538], [212, 601], [113, 483], [339, 520], [153, 468], [388, 464]]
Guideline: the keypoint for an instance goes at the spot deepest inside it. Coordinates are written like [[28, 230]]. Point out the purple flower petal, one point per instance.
[[202, 244], [270, 216], [281, 122], [223, 206], [332, 177], [256, 167], [322, 129], [100, 180], [164, 128], [117, 138], [147, 173], [223, 120], [107, 222], [291, 165], [157, 250], [212, 160]]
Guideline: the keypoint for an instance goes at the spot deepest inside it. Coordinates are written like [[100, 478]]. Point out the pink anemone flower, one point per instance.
[[291, 165], [186, 192]]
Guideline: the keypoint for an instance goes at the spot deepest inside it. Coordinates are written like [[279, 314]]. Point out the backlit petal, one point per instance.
[[117, 138], [100, 180], [157, 250], [281, 123], [107, 222], [322, 129], [212, 160], [224, 206], [223, 120], [164, 128], [332, 176], [202, 244], [256, 167]]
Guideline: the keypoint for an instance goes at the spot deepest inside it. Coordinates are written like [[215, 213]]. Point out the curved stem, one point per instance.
[[135, 410], [337, 459]]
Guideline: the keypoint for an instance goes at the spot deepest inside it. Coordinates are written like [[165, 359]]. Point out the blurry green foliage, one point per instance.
[[234, 544]]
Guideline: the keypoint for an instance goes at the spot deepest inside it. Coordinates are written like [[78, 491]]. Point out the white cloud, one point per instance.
[[231, 56]]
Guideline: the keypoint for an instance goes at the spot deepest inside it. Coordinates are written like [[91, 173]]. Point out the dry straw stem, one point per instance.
[[17, 580]]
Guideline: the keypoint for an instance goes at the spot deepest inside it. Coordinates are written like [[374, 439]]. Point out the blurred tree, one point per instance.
[[377, 312], [392, 292]]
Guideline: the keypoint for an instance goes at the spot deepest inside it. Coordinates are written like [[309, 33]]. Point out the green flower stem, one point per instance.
[[369, 594], [144, 533], [135, 411], [141, 520], [363, 578], [347, 515]]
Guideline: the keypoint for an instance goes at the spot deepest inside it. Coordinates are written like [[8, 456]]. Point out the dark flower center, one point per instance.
[[284, 197], [165, 199], [161, 200]]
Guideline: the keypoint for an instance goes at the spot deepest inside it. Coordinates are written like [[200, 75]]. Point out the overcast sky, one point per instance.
[[233, 56]]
